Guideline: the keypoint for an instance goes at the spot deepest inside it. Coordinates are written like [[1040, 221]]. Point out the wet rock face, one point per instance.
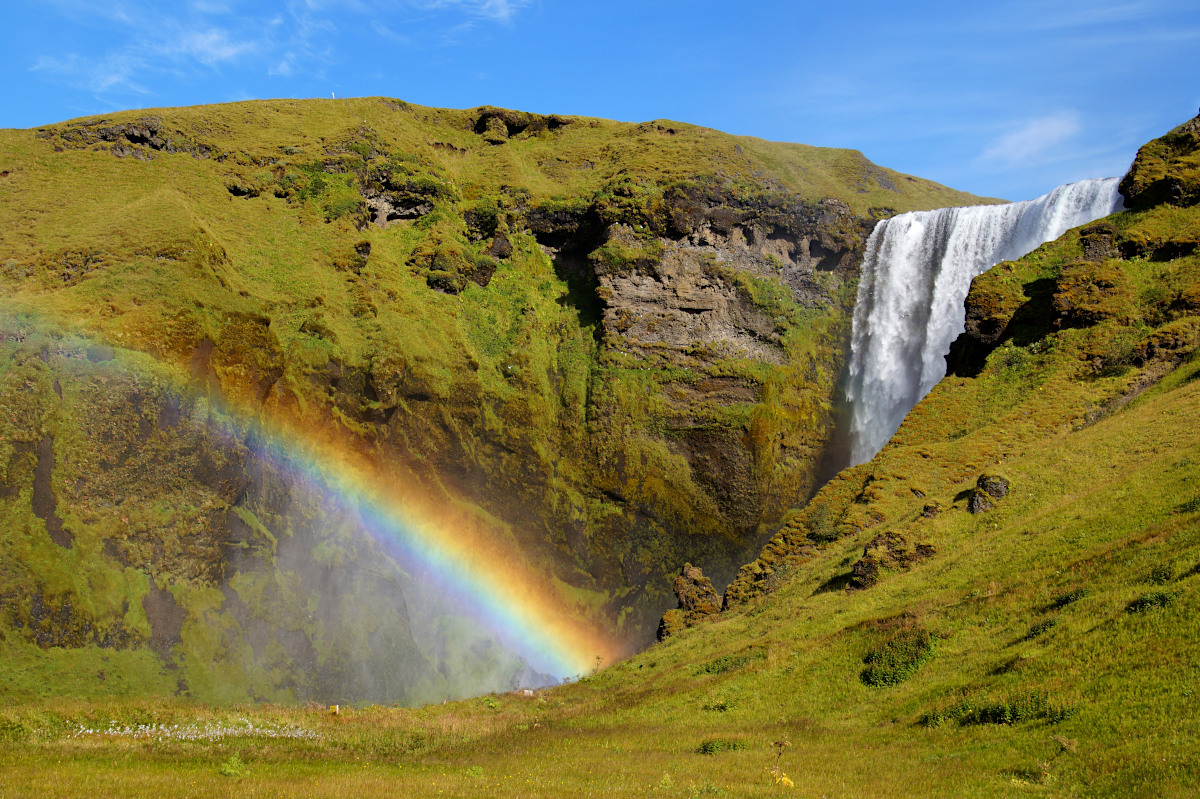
[[674, 282], [684, 301], [44, 503], [179, 499], [165, 617], [695, 279]]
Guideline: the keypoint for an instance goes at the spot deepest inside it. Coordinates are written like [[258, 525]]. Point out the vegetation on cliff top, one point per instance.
[[1044, 646], [446, 293]]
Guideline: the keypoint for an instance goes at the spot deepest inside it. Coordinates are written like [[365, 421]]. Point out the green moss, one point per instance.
[[727, 663], [628, 251], [1035, 705], [241, 263], [1152, 601]]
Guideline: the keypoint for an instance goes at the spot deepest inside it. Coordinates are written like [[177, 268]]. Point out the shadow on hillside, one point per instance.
[[839, 582], [572, 268], [1032, 321]]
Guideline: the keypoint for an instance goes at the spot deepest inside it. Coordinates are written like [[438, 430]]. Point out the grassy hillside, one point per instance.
[[607, 348], [914, 631]]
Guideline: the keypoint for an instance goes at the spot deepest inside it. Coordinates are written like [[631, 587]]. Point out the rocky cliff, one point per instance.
[[1054, 342], [613, 346]]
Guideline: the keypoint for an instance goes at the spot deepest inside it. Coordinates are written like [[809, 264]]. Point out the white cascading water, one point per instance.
[[915, 278]]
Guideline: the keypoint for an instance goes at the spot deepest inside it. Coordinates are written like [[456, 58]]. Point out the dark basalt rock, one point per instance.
[[698, 600], [1098, 241], [498, 125], [165, 617], [500, 247], [140, 139], [993, 485], [988, 489], [979, 502], [387, 207], [45, 505], [395, 196], [886, 550]]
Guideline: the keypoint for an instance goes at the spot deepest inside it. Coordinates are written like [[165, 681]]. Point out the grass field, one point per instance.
[[1065, 655], [887, 642]]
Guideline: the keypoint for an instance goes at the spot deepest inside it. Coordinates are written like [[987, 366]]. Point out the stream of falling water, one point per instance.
[[915, 277]]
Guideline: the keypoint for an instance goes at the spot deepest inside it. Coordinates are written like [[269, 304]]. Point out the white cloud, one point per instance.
[[151, 42], [388, 33], [1033, 141], [207, 46], [111, 73], [491, 9], [284, 68]]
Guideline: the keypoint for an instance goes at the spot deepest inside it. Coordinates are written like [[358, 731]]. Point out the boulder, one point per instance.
[[993, 485], [698, 600], [886, 550], [988, 489]]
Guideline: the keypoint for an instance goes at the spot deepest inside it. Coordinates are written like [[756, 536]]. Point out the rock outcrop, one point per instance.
[[886, 551], [618, 343], [1166, 170], [141, 139], [989, 489], [698, 600], [1092, 288]]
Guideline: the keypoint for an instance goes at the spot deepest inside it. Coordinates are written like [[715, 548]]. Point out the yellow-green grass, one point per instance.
[[1104, 511], [1098, 508], [156, 256]]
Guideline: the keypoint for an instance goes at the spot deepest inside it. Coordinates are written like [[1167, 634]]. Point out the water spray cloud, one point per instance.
[[463, 563]]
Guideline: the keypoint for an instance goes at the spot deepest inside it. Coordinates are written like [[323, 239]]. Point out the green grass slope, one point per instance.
[[231, 250], [1047, 648], [889, 641]]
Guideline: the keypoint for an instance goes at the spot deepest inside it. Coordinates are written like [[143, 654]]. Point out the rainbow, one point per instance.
[[497, 589], [458, 549]]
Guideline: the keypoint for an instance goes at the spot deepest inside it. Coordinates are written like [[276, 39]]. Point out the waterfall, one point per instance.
[[915, 277]]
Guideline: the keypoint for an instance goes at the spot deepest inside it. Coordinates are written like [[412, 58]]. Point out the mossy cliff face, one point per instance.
[[1167, 170], [189, 559], [1054, 342], [617, 342]]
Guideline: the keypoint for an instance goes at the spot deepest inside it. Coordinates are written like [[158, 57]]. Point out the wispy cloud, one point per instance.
[[1092, 13], [149, 43], [1033, 141], [491, 9], [210, 7], [282, 39], [207, 46], [110, 73], [387, 33]]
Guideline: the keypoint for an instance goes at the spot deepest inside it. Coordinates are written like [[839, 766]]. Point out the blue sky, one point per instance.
[[1007, 98]]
